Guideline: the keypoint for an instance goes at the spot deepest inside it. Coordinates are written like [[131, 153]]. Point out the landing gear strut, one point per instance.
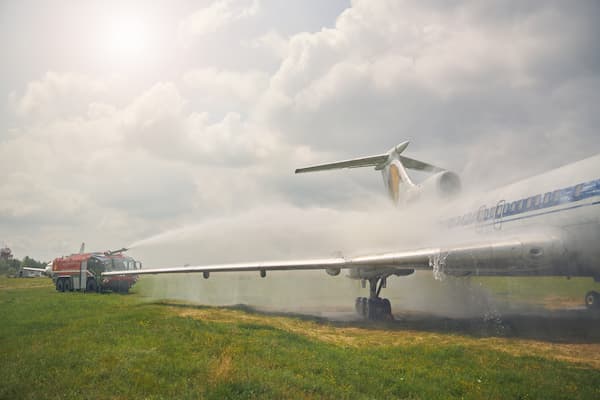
[[374, 307]]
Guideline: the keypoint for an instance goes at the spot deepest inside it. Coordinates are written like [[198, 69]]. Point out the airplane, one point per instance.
[[547, 225]]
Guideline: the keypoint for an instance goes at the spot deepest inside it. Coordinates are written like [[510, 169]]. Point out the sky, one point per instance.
[[123, 120]]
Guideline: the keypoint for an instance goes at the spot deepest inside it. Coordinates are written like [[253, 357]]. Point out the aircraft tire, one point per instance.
[[592, 300], [371, 310], [387, 307], [363, 306], [60, 285], [67, 284]]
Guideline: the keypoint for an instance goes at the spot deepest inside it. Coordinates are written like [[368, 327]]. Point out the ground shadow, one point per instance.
[[559, 326]]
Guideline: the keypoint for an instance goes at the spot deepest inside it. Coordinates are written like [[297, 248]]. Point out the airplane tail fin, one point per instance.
[[392, 164]]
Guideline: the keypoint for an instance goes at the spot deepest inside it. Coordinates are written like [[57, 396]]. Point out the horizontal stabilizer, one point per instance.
[[371, 161], [411, 163], [377, 161]]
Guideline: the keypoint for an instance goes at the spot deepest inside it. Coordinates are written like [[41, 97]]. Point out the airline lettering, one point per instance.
[[540, 201]]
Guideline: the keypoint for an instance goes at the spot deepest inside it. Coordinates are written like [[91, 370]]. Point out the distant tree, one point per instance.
[[9, 267], [14, 265], [30, 262]]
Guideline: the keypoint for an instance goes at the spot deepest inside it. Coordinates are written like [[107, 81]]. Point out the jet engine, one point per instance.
[[443, 185]]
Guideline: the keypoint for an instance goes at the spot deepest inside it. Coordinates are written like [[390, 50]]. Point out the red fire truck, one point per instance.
[[83, 272]]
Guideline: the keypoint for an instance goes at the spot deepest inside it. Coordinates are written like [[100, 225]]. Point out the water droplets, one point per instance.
[[437, 262]]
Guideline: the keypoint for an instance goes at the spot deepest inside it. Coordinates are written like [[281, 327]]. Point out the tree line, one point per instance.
[[13, 265]]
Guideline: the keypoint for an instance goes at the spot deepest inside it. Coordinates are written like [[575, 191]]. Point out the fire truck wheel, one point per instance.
[[91, 285], [60, 285], [67, 284]]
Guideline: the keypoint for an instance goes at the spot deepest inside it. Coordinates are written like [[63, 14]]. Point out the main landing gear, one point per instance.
[[374, 307]]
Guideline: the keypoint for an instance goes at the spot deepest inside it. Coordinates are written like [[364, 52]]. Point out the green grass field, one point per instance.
[[74, 345]]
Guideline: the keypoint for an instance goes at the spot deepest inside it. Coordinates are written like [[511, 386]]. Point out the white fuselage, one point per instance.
[[563, 202]]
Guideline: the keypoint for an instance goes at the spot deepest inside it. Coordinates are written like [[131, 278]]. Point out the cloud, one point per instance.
[[152, 159], [272, 41], [495, 91], [159, 122], [230, 86], [459, 74], [216, 16], [59, 94]]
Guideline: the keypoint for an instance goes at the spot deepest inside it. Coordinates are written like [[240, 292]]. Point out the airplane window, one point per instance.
[[555, 196], [547, 198], [520, 204], [529, 203]]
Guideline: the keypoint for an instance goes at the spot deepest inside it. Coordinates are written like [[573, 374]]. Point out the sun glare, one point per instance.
[[127, 37]]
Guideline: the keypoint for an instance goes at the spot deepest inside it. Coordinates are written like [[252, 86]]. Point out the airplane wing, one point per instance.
[[42, 270], [502, 256]]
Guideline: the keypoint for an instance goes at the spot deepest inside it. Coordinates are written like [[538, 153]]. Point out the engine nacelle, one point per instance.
[[442, 185]]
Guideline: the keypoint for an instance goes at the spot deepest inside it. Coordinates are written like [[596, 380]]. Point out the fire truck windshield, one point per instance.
[[123, 264], [120, 264]]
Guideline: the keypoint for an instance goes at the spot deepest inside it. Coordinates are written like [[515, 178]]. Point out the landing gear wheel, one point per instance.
[[60, 285], [91, 285], [363, 306], [592, 300], [369, 309], [387, 307], [374, 307], [67, 285]]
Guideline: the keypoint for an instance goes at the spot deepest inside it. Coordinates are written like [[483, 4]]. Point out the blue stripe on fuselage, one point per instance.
[[504, 209]]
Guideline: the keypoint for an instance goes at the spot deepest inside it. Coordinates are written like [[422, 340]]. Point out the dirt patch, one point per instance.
[[559, 303], [223, 367]]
